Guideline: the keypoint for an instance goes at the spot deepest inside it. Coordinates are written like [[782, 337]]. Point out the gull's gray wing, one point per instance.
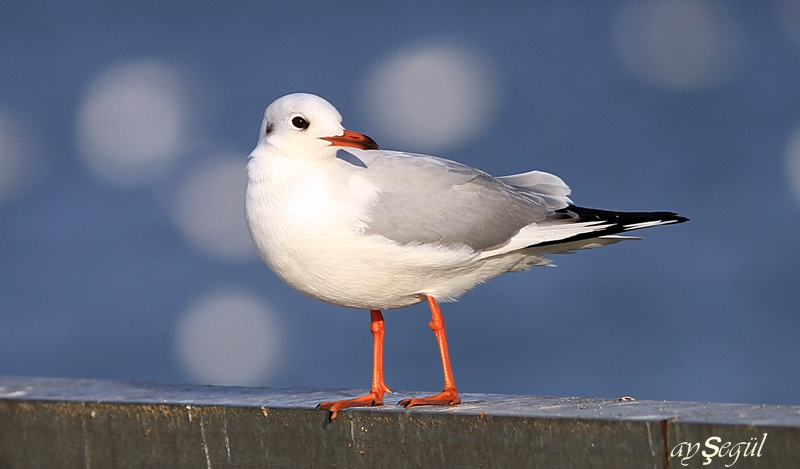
[[548, 186], [423, 199]]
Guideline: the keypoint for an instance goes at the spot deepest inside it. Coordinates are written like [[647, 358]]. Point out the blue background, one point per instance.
[[93, 277]]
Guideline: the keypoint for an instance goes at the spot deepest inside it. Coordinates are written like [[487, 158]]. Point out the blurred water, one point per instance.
[[691, 107]]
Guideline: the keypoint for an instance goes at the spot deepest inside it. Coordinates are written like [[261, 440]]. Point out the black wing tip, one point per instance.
[[671, 217], [624, 218], [617, 222]]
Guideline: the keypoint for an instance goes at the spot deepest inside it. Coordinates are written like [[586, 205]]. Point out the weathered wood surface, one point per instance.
[[62, 423]]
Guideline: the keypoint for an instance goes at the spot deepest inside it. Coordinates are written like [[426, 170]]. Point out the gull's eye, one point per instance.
[[300, 122]]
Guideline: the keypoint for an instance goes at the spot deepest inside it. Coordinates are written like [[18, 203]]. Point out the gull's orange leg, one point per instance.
[[375, 396], [449, 396]]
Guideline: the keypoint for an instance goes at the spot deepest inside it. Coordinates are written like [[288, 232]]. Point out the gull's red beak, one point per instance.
[[353, 139]]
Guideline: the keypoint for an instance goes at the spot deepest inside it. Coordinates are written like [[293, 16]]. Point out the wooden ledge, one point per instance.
[[52, 423]]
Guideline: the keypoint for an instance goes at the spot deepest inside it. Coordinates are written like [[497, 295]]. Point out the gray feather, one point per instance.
[[441, 201]]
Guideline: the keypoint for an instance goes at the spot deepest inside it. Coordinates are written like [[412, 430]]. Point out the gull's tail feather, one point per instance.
[[605, 223]]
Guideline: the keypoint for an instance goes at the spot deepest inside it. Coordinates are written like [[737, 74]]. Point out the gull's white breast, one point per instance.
[[308, 220]]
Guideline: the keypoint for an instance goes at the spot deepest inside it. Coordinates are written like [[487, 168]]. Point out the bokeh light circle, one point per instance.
[[432, 98], [793, 161], [16, 153], [228, 338], [132, 123], [679, 44], [209, 209]]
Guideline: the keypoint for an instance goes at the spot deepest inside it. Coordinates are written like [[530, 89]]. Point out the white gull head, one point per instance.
[[306, 127]]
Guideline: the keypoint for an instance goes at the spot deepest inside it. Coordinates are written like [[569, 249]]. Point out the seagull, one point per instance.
[[344, 222]]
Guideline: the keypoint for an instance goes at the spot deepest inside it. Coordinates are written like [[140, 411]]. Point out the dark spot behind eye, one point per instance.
[[269, 128], [300, 122]]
